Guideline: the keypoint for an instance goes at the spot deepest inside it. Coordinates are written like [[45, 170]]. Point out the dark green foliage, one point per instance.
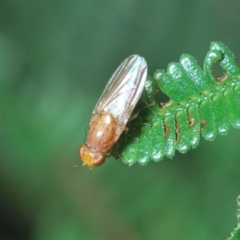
[[199, 103], [235, 235]]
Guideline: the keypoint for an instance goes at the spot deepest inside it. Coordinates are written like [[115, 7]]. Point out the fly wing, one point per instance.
[[124, 89]]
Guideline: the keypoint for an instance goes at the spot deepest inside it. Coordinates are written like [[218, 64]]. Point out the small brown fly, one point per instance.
[[113, 110]]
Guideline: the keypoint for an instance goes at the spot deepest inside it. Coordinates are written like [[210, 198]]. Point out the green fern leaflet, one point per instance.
[[235, 235], [200, 103]]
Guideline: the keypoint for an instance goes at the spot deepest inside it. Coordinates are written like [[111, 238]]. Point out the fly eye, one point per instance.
[[98, 159], [83, 151]]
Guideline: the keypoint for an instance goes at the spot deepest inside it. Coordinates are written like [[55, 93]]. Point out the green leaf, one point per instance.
[[199, 102], [235, 235]]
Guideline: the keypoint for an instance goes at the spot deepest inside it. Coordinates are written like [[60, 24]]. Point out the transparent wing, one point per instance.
[[124, 89]]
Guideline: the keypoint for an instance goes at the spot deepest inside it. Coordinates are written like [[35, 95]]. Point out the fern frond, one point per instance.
[[235, 235], [199, 103]]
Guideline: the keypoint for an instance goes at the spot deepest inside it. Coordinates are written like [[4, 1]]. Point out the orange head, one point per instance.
[[89, 157]]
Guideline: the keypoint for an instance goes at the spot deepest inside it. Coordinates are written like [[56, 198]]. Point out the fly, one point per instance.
[[113, 110]]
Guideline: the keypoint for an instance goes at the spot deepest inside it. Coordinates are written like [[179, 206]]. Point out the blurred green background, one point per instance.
[[55, 60]]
